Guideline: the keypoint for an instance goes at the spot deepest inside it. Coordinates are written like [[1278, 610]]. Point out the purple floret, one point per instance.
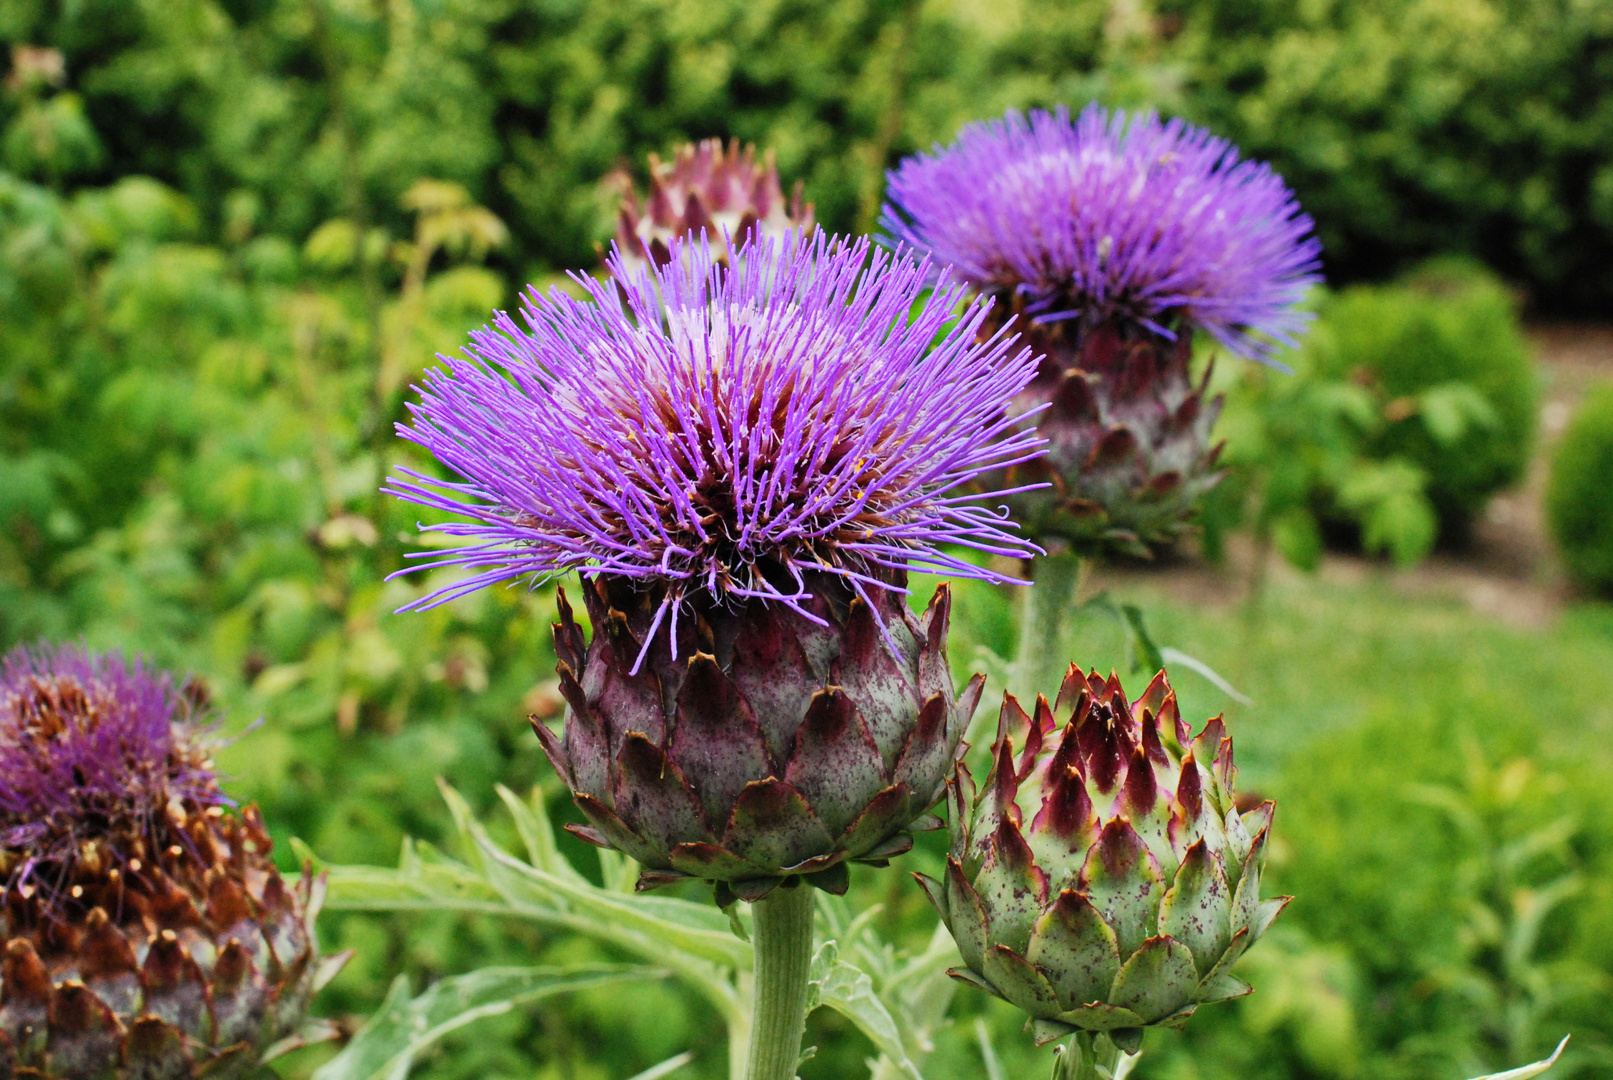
[[1155, 222], [700, 429], [92, 748]]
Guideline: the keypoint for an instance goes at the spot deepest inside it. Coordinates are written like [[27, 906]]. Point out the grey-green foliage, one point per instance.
[[896, 1000], [1579, 496], [404, 1026]]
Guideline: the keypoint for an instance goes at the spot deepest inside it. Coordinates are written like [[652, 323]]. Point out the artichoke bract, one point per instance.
[[146, 933], [724, 193], [777, 744], [1110, 242], [1102, 878], [1129, 439], [741, 460]]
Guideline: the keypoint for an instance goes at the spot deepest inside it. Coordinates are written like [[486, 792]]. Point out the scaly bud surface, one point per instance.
[[724, 194], [144, 931], [1103, 878]]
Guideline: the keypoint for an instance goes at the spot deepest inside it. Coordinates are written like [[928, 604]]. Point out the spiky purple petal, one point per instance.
[[727, 431], [1157, 222]]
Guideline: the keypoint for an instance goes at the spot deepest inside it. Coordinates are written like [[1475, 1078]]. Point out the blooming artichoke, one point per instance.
[[1134, 887], [1110, 244], [724, 193], [146, 932], [742, 462], [783, 743]]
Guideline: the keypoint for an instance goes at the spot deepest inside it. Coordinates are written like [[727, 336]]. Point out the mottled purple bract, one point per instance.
[[726, 432], [1154, 222], [92, 747]]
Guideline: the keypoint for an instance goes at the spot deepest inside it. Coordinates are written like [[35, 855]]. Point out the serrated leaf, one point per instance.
[[386, 1046], [850, 992]]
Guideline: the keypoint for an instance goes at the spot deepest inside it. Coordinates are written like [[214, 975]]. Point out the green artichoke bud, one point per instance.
[[144, 931], [1105, 881], [766, 746], [1129, 449], [706, 188]]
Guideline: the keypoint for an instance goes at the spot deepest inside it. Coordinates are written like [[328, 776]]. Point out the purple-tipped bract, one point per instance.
[[726, 432], [1155, 222]]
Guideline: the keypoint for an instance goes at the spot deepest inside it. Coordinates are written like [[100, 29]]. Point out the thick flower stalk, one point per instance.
[[742, 463], [1103, 879], [723, 193], [1111, 243], [146, 931]]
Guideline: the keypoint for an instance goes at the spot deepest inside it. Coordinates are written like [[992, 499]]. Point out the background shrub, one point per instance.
[[1442, 354], [1579, 497], [1408, 127]]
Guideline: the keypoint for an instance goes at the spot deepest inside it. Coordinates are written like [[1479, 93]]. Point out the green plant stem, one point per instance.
[[1083, 1055], [1041, 662], [782, 936]]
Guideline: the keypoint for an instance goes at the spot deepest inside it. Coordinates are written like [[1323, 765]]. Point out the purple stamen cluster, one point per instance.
[[1154, 222], [93, 749], [727, 431]]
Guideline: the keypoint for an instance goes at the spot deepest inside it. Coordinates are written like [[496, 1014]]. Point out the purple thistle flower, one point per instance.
[[811, 411], [93, 747], [1158, 223]]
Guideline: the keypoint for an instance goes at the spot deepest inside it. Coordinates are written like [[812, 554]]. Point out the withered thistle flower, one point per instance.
[[724, 194], [742, 463], [1103, 878], [1112, 241], [146, 931]]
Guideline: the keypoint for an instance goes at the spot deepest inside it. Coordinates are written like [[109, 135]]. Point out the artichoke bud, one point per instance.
[[144, 929], [710, 189], [1128, 430], [756, 745], [1102, 878]]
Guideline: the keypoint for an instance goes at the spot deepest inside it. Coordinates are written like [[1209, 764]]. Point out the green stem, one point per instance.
[[1039, 668], [1082, 1056], [782, 936]]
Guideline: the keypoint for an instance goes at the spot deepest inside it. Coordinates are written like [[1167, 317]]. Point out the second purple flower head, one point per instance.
[[1112, 240]]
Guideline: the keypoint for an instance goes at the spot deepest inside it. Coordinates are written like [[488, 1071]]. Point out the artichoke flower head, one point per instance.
[[146, 933], [742, 456], [724, 193], [1103, 877], [1110, 242]]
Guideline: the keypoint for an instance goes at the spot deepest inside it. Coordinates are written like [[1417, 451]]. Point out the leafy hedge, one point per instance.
[[1579, 496], [1409, 406], [1408, 127]]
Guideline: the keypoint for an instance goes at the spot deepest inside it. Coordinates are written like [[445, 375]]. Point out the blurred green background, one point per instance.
[[232, 232]]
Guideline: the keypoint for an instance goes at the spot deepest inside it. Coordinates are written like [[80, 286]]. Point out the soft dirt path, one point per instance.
[[1510, 572]]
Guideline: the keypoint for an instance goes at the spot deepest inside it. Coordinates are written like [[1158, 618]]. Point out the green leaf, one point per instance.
[[1145, 657], [850, 992], [386, 1046], [1528, 1071], [1450, 410]]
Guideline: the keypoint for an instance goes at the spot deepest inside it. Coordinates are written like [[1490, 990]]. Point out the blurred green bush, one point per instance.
[[1408, 127], [1579, 494], [1409, 406], [1443, 352]]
